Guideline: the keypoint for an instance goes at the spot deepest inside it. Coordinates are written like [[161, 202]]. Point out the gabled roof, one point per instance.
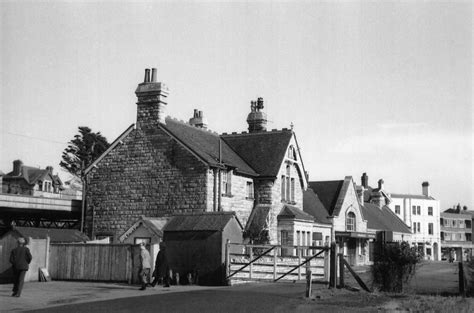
[[263, 151], [328, 193], [205, 144], [205, 221], [422, 197], [313, 206], [292, 212], [383, 219], [55, 235], [154, 225], [33, 174]]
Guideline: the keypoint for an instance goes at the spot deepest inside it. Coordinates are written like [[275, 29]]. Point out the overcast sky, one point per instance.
[[383, 88]]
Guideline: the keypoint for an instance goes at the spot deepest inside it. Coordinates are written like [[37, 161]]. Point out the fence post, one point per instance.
[[462, 290], [274, 264], [332, 266], [250, 260], [227, 258], [326, 265], [309, 278], [48, 241], [300, 251], [341, 270]]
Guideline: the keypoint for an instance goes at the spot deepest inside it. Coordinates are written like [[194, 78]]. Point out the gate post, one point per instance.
[[462, 290], [332, 266], [309, 280], [274, 264], [250, 260], [341, 270]]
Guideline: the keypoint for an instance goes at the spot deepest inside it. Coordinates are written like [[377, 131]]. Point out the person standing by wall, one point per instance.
[[162, 269], [20, 258], [145, 265]]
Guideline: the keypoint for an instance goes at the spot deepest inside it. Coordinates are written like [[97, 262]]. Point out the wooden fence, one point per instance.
[[94, 262], [249, 262]]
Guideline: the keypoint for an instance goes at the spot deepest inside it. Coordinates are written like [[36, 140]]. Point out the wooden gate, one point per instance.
[[94, 262], [268, 263]]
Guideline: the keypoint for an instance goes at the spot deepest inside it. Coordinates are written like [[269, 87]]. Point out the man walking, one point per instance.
[[145, 265], [20, 258]]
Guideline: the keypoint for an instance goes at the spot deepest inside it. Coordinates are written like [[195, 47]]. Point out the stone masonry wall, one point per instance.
[[149, 174]]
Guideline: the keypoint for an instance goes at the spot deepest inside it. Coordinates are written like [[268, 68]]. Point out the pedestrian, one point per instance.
[[20, 258], [145, 265], [162, 269]]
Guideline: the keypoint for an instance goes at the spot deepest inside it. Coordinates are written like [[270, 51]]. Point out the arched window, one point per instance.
[[292, 153], [350, 221]]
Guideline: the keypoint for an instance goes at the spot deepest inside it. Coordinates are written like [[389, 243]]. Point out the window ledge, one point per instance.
[[249, 198], [228, 195]]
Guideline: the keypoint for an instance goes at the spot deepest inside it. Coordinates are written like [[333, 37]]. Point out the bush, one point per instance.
[[394, 265]]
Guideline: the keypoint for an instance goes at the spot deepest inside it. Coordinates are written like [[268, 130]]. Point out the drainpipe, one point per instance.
[[215, 191], [219, 207]]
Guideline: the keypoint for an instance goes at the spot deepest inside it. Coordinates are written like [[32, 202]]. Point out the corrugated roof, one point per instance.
[[383, 219], [206, 145], [263, 151], [55, 235], [313, 206], [206, 221], [328, 193], [293, 212]]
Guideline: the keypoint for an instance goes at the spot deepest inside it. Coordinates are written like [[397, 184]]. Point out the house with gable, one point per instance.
[[32, 181], [162, 167], [340, 206]]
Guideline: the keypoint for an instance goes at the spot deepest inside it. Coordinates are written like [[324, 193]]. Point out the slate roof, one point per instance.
[[383, 219], [399, 195], [55, 235], [328, 193], [313, 206], [290, 211], [32, 174], [206, 221], [263, 151], [206, 145]]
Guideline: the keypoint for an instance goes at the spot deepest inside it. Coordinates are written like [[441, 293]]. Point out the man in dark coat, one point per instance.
[[20, 258], [162, 269]]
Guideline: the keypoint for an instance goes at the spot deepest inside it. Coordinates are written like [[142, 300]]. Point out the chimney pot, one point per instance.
[[147, 76], [153, 75], [364, 180]]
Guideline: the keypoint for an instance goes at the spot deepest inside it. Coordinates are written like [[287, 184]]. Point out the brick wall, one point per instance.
[[149, 174]]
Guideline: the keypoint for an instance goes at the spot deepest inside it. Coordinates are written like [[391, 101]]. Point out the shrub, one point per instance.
[[394, 265]]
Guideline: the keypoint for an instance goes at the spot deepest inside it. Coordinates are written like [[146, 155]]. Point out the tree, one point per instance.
[[394, 265], [83, 150]]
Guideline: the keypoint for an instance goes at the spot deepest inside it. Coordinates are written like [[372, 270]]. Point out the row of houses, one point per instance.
[[161, 168]]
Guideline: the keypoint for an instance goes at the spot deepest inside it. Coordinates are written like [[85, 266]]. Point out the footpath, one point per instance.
[[40, 295]]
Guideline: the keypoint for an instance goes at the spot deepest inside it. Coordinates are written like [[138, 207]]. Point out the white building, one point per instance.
[[422, 214]]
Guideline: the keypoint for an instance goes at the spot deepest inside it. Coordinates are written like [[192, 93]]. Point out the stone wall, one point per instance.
[[149, 174]]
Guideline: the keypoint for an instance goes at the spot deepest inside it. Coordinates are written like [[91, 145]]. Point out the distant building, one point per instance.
[[456, 234], [32, 181], [421, 212], [163, 167], [337, 202]]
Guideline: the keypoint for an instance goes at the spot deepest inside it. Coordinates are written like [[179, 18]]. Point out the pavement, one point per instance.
[[40, 295]]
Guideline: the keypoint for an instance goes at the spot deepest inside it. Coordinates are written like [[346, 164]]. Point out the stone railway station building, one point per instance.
[[163, 167]]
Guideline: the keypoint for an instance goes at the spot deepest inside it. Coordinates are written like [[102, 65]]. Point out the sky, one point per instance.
[[378, 87]]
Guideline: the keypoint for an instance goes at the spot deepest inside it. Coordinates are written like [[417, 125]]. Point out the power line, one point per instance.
[[36, 138]]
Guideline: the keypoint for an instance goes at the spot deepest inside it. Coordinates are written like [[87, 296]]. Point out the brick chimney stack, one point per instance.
[[198, 120], [425, 187], [364, 180], [151, 105], [49, 169], [257, 119], [17, 165]]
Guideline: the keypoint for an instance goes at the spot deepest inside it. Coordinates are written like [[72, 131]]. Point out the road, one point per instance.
[[268, 297]]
